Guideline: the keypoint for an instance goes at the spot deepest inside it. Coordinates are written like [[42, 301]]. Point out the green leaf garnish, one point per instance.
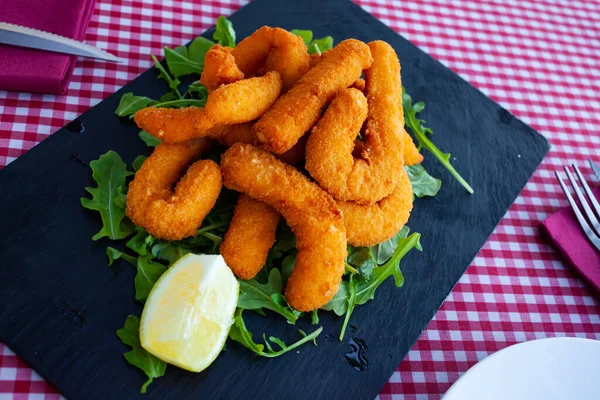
[[314, 46], [137, 163], [140, 242], [422, 183], [365, 290], [320, 45], [242, 335], [185, 60], [420, 132], [138, 356], [109, 172], [148, 271], [224, 33], [163, 74], [306, 35], [131, 104], [168, 252], [385, 250], [148, 139], [339, 303], [358, 290], [363, 259], [254, 295]]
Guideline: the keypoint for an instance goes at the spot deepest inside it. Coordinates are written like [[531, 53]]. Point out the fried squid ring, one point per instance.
[[411, 153], [329, 158], [329, 149], [273, 49], [368, 225], [312, 214], [295, 113], [235, 103], [219, 68], [174, 214], [250, 236]]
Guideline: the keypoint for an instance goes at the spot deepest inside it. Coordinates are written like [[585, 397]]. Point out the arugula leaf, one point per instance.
[[137, 163], [314, 319], [224, 33], [363, 258], [131, 104], [254, 295], [421, 134], [306, 35], [339, 303], [198, 90], [141, 241], [351, 304], [184, 60], [287, 266], [163, 74], [365, 290], [168, 252], [242, 335], [384, 250], [147, 274], [148, 139], [109, 172], [422, 183], [320, 45], [129, 335], [314, 46]]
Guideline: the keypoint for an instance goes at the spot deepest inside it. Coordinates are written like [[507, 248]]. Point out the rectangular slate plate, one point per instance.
[[60, 304]]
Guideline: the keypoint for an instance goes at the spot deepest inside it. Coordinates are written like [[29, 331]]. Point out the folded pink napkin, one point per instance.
[[31, 70], [566, 234]]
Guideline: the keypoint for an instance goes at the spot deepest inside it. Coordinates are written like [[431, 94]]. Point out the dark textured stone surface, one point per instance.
[[60, 304]]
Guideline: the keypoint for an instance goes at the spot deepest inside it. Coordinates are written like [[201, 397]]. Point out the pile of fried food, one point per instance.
[[275, 107]]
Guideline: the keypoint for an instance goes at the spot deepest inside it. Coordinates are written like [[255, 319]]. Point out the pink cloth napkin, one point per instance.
[[31, 70], [566, 234]]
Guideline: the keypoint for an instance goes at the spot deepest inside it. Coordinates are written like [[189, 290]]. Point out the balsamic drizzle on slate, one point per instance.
[[76, 126], [355, 357]]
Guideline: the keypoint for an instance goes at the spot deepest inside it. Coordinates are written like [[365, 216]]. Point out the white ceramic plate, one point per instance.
[[545, 369]]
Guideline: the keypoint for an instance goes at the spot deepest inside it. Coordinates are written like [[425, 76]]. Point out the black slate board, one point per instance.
[[60, 304]]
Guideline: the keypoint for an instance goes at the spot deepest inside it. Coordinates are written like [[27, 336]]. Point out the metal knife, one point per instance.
[[21, 36], [595, 168]]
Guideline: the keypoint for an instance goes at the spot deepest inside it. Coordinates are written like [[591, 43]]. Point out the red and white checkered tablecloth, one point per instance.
[[539, 59]]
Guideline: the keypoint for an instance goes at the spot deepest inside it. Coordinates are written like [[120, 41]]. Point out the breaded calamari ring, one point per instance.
[[173, 125], [228, 135], [219, 68], [329, 149], [174, 214], [243, 101], [329, 153], [273, 49], [296, 154], [250, 236], [411, 153], [295, 113], [359, 84], [368, 225], [235, 103], [311, 213]]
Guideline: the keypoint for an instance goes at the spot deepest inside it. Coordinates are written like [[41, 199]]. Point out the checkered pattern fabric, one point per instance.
[[539, 59]]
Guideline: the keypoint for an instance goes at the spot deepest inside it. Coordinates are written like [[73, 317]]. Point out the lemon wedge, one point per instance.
[[189, 312]]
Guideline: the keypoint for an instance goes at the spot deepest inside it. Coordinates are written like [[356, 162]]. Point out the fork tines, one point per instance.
[[593, 231]]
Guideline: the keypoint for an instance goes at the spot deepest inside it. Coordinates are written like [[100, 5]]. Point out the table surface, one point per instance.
[[538, 59]]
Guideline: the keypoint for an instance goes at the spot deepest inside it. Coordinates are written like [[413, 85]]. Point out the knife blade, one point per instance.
[[595, 168], [21, 36]]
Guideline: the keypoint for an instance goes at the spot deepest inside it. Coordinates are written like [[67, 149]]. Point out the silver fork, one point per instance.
[[587, 229]]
